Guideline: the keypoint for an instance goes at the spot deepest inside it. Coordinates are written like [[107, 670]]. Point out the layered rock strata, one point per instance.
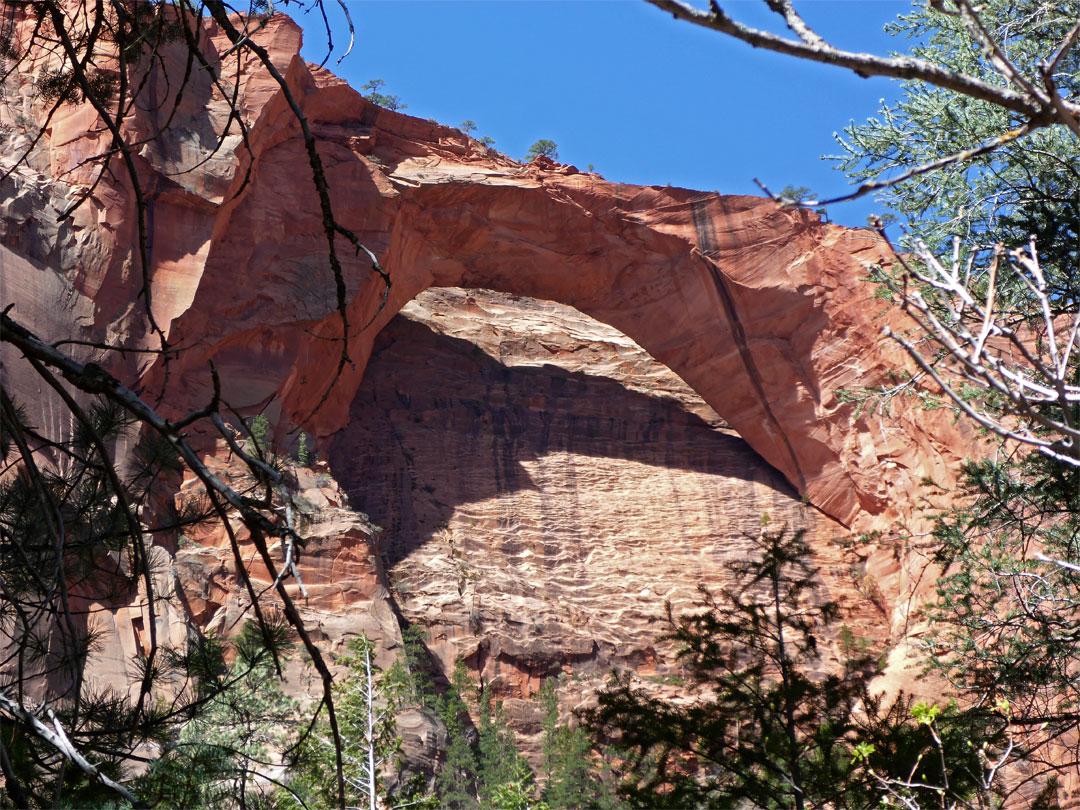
[[761, 310], [545, 488], [542, 489]]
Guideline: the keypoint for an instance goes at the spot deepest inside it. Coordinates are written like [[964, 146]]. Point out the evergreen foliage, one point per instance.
[[481, 768], [767, 725], [1006, 624], [542, 148], [303, 450], [1025, 187], [223, 756], [368, 702], [259, 428], [763, 731], [457, 781], [372, 91], [65, 529], [502, 770], [517, 792], [572, 771]]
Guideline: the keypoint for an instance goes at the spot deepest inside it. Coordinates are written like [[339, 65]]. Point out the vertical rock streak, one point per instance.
[[706, 242]]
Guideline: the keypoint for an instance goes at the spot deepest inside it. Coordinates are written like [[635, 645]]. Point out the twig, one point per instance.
[[56, 736]]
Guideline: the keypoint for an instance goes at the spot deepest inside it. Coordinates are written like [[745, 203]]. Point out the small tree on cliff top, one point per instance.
[[542, 148], [373, 93]]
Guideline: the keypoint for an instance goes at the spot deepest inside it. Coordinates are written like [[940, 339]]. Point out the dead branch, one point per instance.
[[970, 342]]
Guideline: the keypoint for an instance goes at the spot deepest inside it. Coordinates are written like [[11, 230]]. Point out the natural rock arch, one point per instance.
[[760, 309], [544, 488], [472, 397]]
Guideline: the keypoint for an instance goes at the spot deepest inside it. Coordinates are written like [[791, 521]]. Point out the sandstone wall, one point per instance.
[[544, 487], [544, 483], [761, 310]]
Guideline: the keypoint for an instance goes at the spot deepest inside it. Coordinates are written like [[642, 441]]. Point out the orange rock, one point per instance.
[[761, 310], [534, 542], [526, 556]]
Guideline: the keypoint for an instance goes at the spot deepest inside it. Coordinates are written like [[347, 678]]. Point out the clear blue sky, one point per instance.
[[618, 84]]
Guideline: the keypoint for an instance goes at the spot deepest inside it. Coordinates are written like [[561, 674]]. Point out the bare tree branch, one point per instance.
[[1036, 108], [94, 380], [864, 64], [56, 736], [967, 341]]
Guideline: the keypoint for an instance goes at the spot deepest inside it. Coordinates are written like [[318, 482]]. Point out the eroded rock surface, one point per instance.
[[545, 487], [544, 482], [760, 309]]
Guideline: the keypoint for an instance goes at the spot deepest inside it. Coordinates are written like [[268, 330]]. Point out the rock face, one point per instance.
[[545, 487], [544, 480], [759, 309]]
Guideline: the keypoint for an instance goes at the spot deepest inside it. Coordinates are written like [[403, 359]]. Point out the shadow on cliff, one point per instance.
[[437, 424]]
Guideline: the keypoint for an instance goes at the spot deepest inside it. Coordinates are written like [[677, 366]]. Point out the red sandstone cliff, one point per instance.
[[534, 519], [761, 310]]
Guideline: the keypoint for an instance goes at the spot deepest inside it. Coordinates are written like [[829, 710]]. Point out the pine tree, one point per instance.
[[500, 764], [979, 160], [543, 148], [570, 772], [482, 767], [222, 757], [767, 724], [368, 702], [1026, 186], [456, 783], [79, 516]]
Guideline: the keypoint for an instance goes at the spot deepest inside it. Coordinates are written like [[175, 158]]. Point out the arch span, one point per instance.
[[757, 308], [727, 292], [480, 409], [761, 310]]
